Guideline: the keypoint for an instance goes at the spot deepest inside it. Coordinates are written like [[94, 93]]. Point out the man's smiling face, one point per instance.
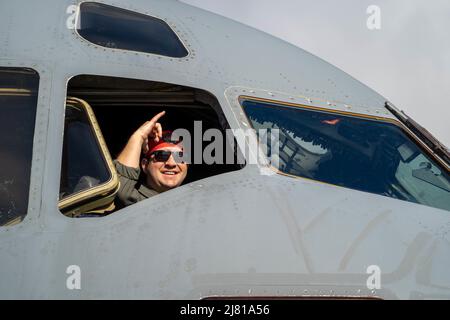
[[164, 175]]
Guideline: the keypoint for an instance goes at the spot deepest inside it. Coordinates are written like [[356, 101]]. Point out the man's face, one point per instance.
[[164, 175]]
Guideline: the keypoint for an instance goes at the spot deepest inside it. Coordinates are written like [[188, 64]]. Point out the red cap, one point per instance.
[[164, 142]]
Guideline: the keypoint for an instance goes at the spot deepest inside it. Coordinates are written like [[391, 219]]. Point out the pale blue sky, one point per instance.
[[407, 61]]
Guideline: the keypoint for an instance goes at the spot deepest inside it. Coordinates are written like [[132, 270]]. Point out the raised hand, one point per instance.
[[151, 129], [138, 142]]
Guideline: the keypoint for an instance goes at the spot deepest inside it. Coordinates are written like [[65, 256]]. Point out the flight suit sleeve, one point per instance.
[[128, 177]]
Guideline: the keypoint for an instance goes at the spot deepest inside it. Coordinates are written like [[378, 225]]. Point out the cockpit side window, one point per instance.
[[88, 178], [102, 113], [18, 103], [353, 152], [116, 28]]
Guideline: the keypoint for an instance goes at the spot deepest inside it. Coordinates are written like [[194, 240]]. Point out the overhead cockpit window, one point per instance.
[[18, 102], [102, 113], [113, 27], [353, 152]]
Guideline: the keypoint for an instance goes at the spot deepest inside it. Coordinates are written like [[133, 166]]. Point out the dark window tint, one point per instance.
[[117, 28], [83, 165], [352, 152], [18, 102]]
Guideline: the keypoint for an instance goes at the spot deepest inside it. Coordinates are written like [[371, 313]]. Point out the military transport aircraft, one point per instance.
[[358, 206]]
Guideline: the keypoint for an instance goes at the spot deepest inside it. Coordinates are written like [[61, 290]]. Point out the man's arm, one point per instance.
[[138, 141]]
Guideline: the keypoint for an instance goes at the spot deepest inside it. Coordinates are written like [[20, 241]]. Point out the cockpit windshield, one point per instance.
[[359, 153]]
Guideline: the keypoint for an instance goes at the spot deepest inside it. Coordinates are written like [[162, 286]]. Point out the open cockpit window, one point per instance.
[[88, 179], [18, 103], [112, 109], [353, 152], [116, 28]]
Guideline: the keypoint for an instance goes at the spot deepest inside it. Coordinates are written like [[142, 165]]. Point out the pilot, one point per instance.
[[149, 150]]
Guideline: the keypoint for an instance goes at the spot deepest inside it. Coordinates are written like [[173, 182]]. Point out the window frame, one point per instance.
[[89, 199]]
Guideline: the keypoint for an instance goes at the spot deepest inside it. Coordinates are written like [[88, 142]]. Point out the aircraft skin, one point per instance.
[[238, 234]]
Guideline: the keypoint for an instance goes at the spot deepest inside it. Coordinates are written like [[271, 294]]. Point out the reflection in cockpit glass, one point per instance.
[[348, 151]]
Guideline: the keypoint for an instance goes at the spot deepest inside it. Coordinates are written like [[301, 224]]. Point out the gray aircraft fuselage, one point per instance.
[[238, 234]]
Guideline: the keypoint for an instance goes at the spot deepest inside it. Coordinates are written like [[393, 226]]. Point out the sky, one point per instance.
[[407, 60]]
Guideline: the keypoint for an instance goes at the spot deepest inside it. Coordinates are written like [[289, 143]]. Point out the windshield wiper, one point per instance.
[[437, 147]]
